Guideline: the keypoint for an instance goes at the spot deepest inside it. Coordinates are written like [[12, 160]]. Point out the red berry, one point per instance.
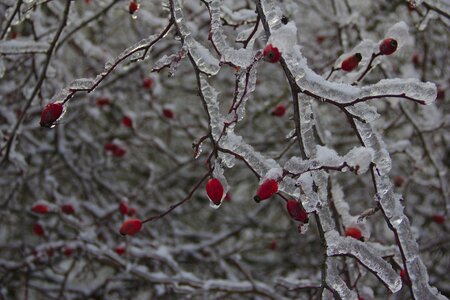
[[14, 35], [50, 114], [228, 197], [439, 219], [68, 209], [296, 211], [40, 209], [120, 250], [399, 180], [123, 208], [388, 46], [127, 122], [440, 94], [266, 190], [131, 211], [38, 229], [110, 147], [68, 252], [273, 245], [214, 189], [133, 7], [279, 110], [354, 232], [119, 152], [351, 62], [405, 278], [87, 1], [271, 54], [415, 59], [361, 298], [102, 101], [131, 227], [148, 83], [50, 252], [320, 39], [168, 113]]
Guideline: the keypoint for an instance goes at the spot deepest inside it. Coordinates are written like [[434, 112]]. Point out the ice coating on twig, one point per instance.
[[22, 46], [202, 57], [238, 57], [338, 245], [216, 118], [336, 282]]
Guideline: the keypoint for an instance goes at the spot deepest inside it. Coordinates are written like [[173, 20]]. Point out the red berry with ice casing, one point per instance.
[[266, 190], [271, 54], [214, 189], [388, 46], [351, 62], [50, 114]]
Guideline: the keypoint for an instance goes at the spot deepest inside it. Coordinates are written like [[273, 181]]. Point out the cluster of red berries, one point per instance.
[[387, 47], [43, 209], [124, 209], [67, 251]]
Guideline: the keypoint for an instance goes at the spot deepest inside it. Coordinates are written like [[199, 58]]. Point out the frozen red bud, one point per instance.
[[168, 113], [38, 229], [296, 211], [123, 208], [354, 232], [388, 46], [266, 190], [271, 54], [68, 251], [147, 83], [50, 114], [68, 209], [120, 250], [131, 227], [279, 110], [439, 219], [399, 180], [40, 209], [214, 189], [127, 122], [119, 152], [102, 101], [133, 7], [351, 62], [405, 278]]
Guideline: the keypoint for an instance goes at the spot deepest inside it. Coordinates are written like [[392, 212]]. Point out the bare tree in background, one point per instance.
[[331, 114]]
